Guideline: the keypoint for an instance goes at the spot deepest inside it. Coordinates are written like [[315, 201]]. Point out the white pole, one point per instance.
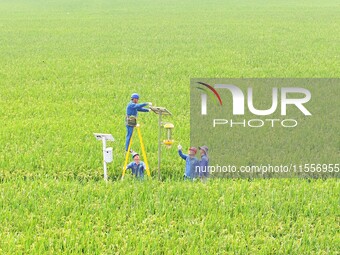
[[159, 145], [104, 149]]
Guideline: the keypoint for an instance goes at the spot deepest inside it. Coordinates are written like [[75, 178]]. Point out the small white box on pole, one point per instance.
[[108, 155], [107, 152]]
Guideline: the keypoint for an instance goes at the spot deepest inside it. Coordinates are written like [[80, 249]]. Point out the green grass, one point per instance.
[[67, 69], [224, 217]]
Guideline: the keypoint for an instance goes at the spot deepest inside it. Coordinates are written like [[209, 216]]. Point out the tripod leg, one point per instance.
[[127, 156], [143, 151]]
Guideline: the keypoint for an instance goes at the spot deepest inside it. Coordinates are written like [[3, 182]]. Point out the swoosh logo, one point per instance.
[[211, 89]]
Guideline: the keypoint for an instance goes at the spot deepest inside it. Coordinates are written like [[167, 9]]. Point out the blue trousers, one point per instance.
[[129, 131]]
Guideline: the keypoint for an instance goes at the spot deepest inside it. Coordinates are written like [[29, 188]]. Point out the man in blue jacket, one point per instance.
[[137, 167], [132, 110], [191, 162], [204, 163]]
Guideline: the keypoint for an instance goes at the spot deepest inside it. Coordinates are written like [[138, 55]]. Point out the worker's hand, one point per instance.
[[149, 103], [179, 147]]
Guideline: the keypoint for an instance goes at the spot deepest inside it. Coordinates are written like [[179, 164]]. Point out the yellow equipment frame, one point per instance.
[[143, 152]]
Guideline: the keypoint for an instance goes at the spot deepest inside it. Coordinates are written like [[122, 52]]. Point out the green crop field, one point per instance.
[[224, 217], [67, 70]]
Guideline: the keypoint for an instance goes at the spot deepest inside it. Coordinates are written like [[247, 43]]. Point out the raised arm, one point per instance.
[[138, 106], [143, 110], [183, 156]]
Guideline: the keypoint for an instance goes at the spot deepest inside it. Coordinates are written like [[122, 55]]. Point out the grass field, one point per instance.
[[226, 216], [67, 69]]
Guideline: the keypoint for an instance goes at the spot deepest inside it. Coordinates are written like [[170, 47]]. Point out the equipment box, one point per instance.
[[108, 155]]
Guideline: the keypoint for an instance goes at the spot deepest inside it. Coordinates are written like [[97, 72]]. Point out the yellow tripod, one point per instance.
[[143, 152]]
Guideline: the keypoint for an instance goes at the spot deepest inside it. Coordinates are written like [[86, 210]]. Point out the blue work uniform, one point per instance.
[[137, 170], [132, 109], [204, 169], [191, 165]]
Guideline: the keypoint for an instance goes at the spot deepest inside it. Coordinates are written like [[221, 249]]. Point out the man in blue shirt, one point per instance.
[[204, 163], [132, 110], [191, 162], [137, 167]]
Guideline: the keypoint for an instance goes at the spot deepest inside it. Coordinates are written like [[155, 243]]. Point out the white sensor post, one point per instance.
[[107, 152]]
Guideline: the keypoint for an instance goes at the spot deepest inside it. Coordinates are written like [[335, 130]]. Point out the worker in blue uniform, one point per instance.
[[191, 163], [137, 166], [132, 110]]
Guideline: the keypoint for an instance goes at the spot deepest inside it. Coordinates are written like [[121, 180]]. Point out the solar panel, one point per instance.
[[160, 110]]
